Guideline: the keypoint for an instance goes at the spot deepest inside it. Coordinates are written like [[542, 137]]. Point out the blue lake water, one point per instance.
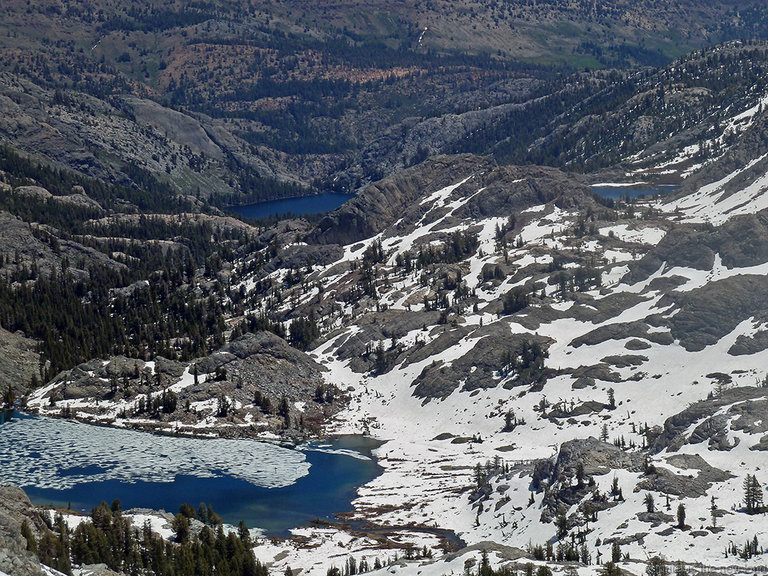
[[620, 192], [317, 204], [271, 487]]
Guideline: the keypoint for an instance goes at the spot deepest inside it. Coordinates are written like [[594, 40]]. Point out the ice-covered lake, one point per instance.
[[271, 487]]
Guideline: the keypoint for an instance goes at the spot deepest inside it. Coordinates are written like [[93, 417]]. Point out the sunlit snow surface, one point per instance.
[[61, 454]]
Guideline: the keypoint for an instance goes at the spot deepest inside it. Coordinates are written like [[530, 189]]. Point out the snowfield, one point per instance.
[[617, 369], [429, 475]]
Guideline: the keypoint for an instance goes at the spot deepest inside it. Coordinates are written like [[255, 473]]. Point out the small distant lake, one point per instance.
[[274, 488], [318, 204], [636, 191]]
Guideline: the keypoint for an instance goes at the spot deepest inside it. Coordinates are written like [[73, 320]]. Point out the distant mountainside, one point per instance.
[[243, 101]]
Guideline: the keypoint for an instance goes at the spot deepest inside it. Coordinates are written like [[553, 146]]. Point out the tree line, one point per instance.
[[108, 537]]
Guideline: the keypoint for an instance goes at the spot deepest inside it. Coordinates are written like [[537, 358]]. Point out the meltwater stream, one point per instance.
[[271, 487]]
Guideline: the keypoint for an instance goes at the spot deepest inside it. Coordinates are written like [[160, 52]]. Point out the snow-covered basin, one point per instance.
[[269, 486]]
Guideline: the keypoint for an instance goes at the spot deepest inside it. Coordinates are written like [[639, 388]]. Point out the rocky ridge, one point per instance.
[[15, 508]]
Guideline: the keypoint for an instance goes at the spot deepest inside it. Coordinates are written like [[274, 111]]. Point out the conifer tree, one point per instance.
[[615, 552], [753, 495], [649, 503]]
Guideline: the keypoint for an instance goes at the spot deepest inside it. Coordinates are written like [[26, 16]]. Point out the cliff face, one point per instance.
[[15, 507], [382, 204], [19, 361], [402, 202]]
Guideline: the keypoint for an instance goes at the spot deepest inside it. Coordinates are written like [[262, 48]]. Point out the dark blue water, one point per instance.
[[328, 489], [621, 192], [318, 204]]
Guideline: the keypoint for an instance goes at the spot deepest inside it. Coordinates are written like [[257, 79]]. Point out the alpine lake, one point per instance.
[[272, 487], [329, 201], [621, 192], [317, 204]]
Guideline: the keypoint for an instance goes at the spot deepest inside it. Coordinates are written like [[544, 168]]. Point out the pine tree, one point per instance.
[[26, 531], [615, 552], [9, 397], [649, 503], [284, 411], [562, 525], [485, 565], [244, 534], [615, 490], [181, 528], [580, 475], [657, 567], [753, 495]]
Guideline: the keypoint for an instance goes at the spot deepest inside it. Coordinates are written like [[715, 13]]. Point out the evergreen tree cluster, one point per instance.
[[461, 245], [515, 300], [526, 363], [303, 331], [580, 279], [511, 421], [146, 305], [76, 320], [108, 537], [748, 550]]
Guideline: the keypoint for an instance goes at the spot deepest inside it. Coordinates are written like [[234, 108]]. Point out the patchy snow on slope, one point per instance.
[[157, 523], [441, 196], [48, 571], [431, 446], [711, 203], [641, 235], [698, 278], [551, 225]]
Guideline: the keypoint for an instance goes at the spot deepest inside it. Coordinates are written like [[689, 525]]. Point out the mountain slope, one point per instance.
[[338, 95], [490, 323], [677, 321]]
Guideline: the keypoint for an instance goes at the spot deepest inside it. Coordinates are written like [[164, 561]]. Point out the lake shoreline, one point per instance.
[[222, 432], [632, 190], [332, 471]]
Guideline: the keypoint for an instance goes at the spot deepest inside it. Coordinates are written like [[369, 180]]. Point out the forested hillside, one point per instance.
[[239, 102]]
